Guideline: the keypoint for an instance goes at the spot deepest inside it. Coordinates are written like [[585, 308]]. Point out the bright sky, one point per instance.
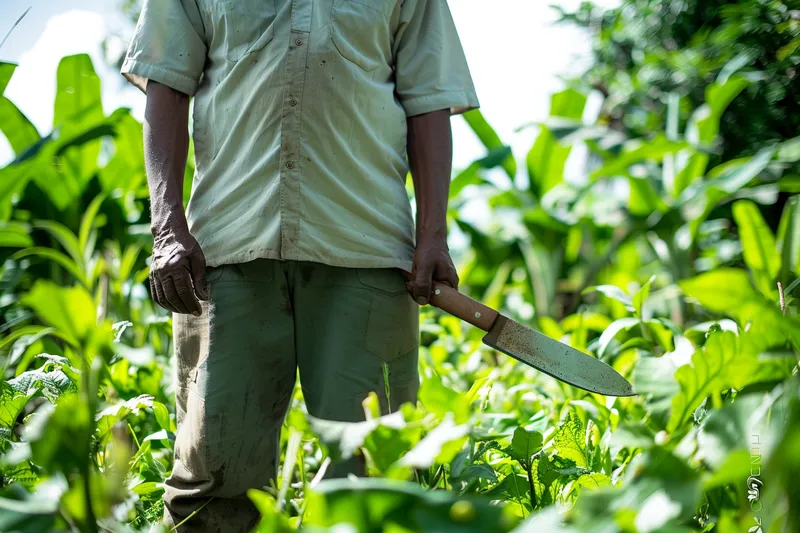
[[515, 53]]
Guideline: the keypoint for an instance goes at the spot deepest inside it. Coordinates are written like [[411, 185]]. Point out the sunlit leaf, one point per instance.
[[758, 244], [525, 444], [15, 235], [569, 442], [109, 416], [593, 481], [70, 310], [789, 239], [613, 330], [490, 139], [641, 296], [15, 126], [707, 374], [721, 290], [547, 158], [440, 445], [6, 71]]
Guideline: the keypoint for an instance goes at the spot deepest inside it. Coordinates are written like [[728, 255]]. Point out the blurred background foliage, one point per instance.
[[674, 257]]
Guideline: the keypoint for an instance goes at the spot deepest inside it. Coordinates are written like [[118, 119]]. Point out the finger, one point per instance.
[[421, 285], [171, 295], [198, 265], [158, 293], [446, 273], [185, 290]]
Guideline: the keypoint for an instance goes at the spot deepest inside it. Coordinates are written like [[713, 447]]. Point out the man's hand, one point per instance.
[[177, 274], [432, 262]]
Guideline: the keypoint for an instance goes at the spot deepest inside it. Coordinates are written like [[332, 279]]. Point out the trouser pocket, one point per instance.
[[393, 325]]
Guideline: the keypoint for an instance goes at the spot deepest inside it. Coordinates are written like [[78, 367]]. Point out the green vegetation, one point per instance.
[[676, 260]]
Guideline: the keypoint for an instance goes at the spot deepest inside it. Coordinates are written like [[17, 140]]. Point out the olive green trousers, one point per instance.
[[237, 366]]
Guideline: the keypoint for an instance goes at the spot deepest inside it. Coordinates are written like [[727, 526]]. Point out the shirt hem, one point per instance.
[[268, 253], [139, 72]]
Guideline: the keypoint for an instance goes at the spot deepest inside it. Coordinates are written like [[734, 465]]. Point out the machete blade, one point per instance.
[[555, 358]]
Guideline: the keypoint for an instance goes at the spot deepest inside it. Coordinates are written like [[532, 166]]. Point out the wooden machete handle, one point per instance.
[[463, 307]]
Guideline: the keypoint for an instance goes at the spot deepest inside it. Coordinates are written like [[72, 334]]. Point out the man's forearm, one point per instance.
[[430, 153], [166, 147]]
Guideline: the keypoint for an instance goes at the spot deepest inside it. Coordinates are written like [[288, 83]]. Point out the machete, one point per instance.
[[535, 349]]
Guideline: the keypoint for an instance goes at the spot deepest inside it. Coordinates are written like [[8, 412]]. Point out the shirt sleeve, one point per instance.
[[431, 71], [167, 46]]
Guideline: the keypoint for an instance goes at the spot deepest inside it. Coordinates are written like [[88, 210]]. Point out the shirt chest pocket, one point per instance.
[[242, 27], [360, 31]]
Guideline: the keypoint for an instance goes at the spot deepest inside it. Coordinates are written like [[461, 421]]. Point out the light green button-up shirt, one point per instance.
[[300, 118]]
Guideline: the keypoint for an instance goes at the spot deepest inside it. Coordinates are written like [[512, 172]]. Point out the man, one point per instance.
[[298, 248]]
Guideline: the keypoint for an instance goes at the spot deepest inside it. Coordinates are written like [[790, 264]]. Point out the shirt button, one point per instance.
[[292, 102], [289, 165], [299, 42]]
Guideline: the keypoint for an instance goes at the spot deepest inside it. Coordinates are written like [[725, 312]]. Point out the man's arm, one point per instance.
[[177, 273], [430, 154]]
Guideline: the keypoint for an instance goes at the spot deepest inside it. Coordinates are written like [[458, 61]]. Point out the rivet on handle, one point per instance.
[[477, 315], [438, 292]]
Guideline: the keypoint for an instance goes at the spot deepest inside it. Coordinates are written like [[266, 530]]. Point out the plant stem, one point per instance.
[[529, 470]]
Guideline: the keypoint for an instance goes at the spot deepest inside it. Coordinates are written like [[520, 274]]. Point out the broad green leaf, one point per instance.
[[343, 439], [125, 172], [613, 292], [655, 376], [272, 519], [593, 481], [547, 158], [707, 374], [50, 381], [28, 336], [569, 441], [87, 225], [438, 446], [641, 296], [703, 127], [637, 151], [78, 109], [16, 127], [758, 244], [21, 512], [162, 416], [525, 444], [592, 321], [6, 71], [15, 235], [60, 436], [490, 139], [477, 471], [644, 199], [789, 239], [789, 151], [78, 94], [721, 290], [698, 201], [513, 486], [375, 504], [54, 255], [440, 400], [64, 236], [70, 310], [469, 176], [109, 416], [612, 330]]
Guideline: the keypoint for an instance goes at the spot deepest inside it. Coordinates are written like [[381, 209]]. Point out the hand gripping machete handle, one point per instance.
[[448, 299]]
